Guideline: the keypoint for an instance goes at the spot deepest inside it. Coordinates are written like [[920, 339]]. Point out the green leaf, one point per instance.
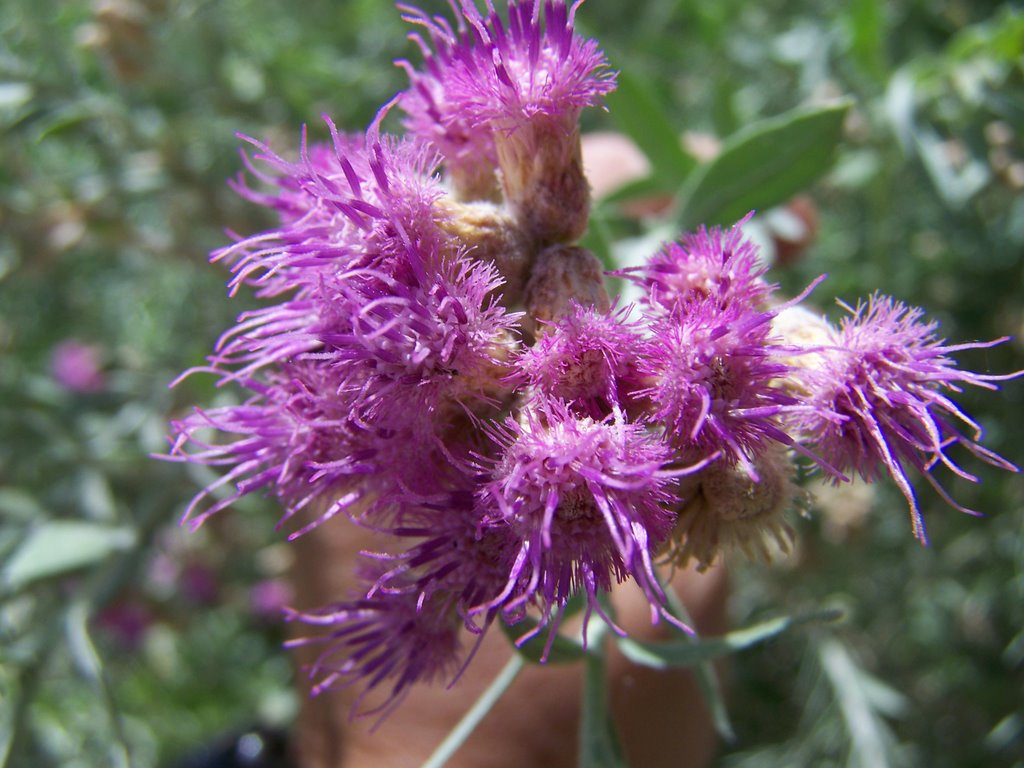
[[863, 700], [642, 189], [763, 165], [705, 674], [688, 653], [18, 504], [60, 546], [563, 650], [635, 110], [865, 22]]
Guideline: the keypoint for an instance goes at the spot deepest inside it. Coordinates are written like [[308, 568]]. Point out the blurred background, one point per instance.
[[125, 640]]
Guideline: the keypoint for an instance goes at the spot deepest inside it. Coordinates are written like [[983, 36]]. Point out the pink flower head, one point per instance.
[[511, 93], [359, 201], [420, 341], [587, 499], [294, 439], [587, 359], [493, 75], [887, 377], [716, 267], [456, 553], [715, 376], [392, 636], [77, 367]]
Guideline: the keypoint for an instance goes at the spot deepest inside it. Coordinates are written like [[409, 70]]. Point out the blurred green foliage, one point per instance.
[[124, 640]]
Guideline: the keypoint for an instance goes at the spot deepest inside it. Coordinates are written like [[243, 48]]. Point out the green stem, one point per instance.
[[598, 742], [458, 735]]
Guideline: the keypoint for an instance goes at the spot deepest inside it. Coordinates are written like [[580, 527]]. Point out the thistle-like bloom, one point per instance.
[[516, 460], [887, 377], [715, 376], [391, 636], [516, 90], [586, 498], [383, 332], [588, 359], [294, 439], [706, 267]]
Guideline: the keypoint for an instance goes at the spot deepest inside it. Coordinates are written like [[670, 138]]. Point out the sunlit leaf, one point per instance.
[[862, 700], [61, 546], [763, 165], [865, 22]]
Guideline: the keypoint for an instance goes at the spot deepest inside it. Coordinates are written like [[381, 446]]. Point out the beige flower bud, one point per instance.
[[492, 235], [542, 175], [726, 509], [563, 274]]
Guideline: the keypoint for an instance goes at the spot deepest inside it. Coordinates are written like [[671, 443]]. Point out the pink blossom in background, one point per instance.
[[77, 366]]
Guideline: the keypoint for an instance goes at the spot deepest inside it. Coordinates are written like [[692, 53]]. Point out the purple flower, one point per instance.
[[391, 636], [708, 267], [456, 552], [498, 76], [294, 439], [887, 377], [512, 461], [385, 333], [715, 378], [587, 499], [588, 359], [511, 92]]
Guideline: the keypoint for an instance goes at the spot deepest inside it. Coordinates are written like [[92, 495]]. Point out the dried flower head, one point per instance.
[[725, 509]]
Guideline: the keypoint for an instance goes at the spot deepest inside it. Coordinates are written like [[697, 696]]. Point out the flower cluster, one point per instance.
[[437, 359]]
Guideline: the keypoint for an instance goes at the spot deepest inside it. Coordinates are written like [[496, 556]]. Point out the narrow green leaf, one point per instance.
[[89, 664], [60, 546], [857, 693], [688, 653], [635, 110], [704, 673], [763, 165], [865, 22]]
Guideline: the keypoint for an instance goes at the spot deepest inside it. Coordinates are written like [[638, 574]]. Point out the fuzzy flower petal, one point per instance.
[[715, 376], [388, 637], [496, 74]]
